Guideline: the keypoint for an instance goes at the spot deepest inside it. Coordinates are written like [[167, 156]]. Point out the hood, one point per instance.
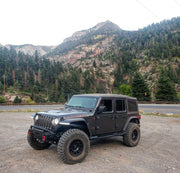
[[66, 113]]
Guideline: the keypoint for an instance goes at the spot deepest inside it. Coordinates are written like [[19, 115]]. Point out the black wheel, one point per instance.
[[132, 136], [73, 146], [37, 144]]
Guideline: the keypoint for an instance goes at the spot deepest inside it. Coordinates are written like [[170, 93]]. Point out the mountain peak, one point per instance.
[[106, 26]]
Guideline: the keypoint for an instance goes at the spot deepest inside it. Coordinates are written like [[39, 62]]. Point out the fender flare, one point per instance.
[[75, 123], [135, 118]]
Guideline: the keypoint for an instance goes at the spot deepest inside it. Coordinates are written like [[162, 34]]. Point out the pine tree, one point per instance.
[[165, 88], [53, 95], [1, 87], [62, 98], [94, 64], [17, 100], [140, 88]]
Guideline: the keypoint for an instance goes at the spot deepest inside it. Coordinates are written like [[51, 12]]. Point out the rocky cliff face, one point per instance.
[[31, 49], [84, 51], [86, 44]]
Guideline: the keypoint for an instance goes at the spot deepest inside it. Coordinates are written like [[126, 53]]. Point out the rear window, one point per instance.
[[132, 106], [120, 105]]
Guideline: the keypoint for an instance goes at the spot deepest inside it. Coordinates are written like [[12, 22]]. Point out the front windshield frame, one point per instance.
[[83, 102]]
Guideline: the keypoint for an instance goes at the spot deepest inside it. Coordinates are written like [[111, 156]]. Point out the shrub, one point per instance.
[[2, 100], [29, 101]]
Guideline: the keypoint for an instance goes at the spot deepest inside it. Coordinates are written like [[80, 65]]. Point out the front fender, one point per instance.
[[79, 123]]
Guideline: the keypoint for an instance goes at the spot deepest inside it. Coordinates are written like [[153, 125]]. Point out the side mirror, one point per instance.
[[101, 109], [65, 105]]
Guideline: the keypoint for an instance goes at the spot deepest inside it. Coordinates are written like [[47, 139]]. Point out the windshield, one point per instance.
[[82, 102]]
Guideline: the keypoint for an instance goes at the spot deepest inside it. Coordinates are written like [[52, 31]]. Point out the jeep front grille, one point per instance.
[[44, 121]]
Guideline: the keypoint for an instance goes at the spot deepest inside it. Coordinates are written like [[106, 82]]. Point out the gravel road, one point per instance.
[[158, 150]]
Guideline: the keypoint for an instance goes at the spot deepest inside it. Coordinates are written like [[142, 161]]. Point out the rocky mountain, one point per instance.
[[107, 26], [86, 43], [30, 49], [117, 54], [99, 59]]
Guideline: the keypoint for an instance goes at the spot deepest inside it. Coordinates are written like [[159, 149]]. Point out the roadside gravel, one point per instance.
[[158, 150]]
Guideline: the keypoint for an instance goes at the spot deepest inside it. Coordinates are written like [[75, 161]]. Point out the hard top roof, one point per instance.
[[106, 95]]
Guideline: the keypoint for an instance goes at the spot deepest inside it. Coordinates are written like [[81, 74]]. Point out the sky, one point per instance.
[[49, 22]]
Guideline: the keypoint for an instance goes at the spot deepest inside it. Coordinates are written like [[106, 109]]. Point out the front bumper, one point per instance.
[[43, 134]]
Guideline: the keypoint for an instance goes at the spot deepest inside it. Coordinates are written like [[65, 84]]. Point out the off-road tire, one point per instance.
[[73, 146], [132, 135], [36, 144]]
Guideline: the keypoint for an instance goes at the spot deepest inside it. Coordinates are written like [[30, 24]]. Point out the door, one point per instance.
[[120, 114], [105, 121]]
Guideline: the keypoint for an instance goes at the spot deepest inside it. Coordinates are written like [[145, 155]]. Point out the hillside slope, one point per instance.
[[99, 59], [86, 43], [118, 54]]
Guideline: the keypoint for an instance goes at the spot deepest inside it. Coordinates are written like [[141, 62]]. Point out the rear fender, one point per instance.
[[133, 119]]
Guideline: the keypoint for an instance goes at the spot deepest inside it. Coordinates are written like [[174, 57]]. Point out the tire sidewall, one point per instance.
[[83, 153], [64, 144], [134, 142], [127, 139]]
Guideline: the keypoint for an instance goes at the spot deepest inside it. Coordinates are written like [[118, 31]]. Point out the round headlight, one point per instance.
[[36, 117], [55, 121]]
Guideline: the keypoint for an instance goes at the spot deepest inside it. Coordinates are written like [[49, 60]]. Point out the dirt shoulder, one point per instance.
[[158, 150]]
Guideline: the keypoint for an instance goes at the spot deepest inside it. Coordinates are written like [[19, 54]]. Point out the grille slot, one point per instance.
[[44, 121]]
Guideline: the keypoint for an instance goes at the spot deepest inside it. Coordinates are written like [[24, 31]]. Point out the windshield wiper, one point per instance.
[[79, 107], [71, 106]]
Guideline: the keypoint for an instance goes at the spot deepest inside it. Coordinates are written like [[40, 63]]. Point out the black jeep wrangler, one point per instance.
[[84, 118]]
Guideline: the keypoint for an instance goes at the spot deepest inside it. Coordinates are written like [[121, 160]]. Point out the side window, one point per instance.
[[107, 104], [120, 105], [132, 106]]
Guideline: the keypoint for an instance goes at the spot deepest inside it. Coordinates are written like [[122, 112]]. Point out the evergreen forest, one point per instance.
[[144, 64]]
